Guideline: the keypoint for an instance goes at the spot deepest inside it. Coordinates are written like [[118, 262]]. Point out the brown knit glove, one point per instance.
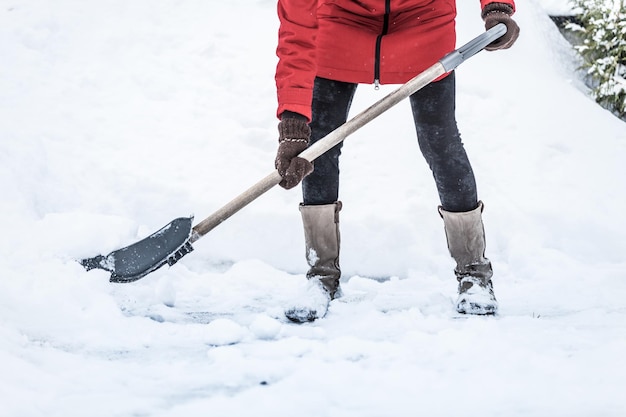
[[495, 13], [293, 138]]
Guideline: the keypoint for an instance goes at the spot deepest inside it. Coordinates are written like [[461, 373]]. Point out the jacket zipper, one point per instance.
[[379, 39]]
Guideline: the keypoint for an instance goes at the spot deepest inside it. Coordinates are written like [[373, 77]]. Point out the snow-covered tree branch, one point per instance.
[[603, 32]]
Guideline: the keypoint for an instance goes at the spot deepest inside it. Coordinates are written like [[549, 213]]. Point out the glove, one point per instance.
[[293, 138], [495, 13]]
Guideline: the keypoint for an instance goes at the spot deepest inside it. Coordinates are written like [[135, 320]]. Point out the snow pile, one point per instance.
[[118, 117]]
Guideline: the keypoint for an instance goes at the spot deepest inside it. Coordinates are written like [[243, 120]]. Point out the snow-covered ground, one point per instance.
[[118, 116]]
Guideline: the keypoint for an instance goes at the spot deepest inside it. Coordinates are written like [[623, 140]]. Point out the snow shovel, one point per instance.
[[174, 240]]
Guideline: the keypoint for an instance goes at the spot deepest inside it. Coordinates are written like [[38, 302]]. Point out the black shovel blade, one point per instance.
[[133, 262]]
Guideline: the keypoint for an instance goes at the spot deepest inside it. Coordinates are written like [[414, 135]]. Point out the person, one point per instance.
[[325, 50]]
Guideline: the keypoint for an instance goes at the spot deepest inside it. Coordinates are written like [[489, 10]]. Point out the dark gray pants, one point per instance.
[[438, 136]]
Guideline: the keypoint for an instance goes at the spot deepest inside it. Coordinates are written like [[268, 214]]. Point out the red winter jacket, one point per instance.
[[359, 41]]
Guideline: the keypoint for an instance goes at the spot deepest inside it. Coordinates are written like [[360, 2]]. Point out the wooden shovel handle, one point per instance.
[[445, 65]]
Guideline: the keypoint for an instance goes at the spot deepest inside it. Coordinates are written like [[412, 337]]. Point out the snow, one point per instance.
[[558, 7], [118, 117]]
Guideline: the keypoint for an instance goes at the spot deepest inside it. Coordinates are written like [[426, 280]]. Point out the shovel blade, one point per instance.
[[166, 246]]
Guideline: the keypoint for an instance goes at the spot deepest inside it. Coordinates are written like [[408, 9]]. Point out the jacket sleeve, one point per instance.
[[511, 3], [296, 68]]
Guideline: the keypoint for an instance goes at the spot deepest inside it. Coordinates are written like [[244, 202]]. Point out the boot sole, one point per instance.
[[476, 309], [301, 315]]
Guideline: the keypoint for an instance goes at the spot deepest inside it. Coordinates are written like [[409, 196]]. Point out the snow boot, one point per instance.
[[466, 241], [321, 236]]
